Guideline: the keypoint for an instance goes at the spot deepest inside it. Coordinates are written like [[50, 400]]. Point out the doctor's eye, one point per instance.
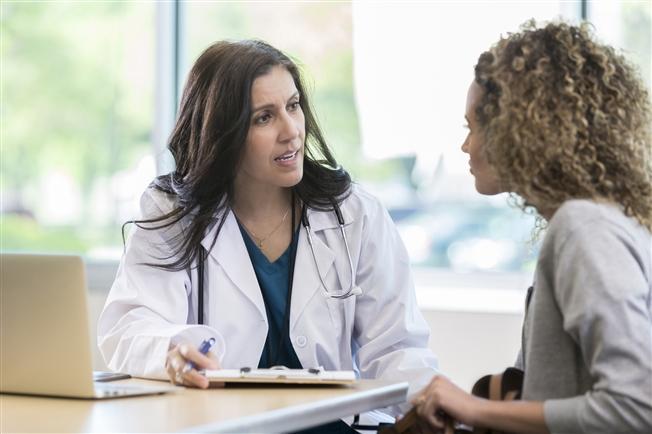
[[294, 106], [262, 119]]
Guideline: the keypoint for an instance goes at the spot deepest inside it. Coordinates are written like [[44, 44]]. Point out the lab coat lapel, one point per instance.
[[231, 254], [306, 280]]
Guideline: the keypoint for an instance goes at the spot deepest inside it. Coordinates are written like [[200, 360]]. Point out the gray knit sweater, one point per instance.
[[587, 335]]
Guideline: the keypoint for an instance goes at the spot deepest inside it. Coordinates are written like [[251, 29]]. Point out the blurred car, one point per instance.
[[468, 236]]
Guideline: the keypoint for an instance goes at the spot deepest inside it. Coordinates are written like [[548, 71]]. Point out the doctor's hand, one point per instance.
[[178, 371]]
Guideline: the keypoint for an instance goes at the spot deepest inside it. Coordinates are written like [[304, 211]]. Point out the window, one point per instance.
[[414, 63], [388, 80], [626, 25], [316, 34], [77, 115]]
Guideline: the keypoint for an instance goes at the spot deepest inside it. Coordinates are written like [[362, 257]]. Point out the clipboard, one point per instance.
[[316, 376]]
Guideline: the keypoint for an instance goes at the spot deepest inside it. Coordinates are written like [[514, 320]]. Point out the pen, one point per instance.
[[203, 348]]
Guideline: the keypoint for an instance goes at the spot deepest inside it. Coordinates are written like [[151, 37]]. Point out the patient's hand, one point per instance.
[[440, 398]]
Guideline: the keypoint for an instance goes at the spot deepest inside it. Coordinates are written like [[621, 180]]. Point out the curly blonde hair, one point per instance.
[[566, 117]]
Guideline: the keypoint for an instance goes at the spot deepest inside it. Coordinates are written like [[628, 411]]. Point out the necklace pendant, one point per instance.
[[260, 245]]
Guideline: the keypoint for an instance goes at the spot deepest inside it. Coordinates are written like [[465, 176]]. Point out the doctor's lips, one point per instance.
[[287, 157]]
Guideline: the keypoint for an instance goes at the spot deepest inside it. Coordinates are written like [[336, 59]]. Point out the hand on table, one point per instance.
[[178, 372], [441, 399]]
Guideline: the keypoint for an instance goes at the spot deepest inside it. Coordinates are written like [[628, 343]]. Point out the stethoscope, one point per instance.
[[354, 289]]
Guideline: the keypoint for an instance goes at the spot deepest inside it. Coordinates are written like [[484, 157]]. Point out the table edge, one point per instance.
[[291, 418]]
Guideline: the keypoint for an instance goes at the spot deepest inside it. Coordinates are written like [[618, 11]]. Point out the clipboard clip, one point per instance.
[[246, 370], [315, 371]]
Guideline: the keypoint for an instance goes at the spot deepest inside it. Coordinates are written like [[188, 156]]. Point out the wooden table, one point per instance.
[[232, 409]]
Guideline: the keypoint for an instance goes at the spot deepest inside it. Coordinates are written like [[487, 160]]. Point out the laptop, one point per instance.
[[45, 339]]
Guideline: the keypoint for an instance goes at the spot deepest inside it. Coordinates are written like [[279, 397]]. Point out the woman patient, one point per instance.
[[563, 123]]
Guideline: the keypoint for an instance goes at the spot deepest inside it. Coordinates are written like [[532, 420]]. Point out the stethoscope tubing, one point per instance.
[[353, 288]]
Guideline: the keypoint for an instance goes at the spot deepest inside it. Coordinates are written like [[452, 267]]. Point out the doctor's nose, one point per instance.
[[289, 129]]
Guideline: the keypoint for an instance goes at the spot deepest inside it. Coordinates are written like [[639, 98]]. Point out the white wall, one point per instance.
[[472, 344]]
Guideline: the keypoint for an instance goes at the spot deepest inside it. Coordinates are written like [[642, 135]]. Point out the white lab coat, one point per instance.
[[380, 334]]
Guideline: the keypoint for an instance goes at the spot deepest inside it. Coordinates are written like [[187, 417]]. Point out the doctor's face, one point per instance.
[[486, 179], [273, 154]]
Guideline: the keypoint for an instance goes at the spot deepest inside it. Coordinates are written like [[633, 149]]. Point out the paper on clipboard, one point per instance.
[[280, 376]]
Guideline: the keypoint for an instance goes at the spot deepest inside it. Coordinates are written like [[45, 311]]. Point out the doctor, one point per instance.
[[259, 240]]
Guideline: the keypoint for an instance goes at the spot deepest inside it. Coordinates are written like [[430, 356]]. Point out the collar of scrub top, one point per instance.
[[353, 289]]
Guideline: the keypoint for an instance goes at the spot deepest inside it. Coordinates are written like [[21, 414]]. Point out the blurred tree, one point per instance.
[[68, 100]]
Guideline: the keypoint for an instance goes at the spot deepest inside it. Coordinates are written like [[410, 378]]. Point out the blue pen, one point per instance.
[[203, 348]]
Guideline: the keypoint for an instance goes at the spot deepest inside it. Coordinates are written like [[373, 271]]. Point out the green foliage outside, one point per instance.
[[25, 234], [70, 104]]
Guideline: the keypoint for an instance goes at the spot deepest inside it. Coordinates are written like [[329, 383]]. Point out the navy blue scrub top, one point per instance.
[[273, 281]]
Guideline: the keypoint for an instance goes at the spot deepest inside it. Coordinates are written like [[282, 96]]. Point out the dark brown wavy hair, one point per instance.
[[208, 144], [566, 117]]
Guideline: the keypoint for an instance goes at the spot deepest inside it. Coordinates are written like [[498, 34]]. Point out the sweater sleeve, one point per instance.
[[604, 295]]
